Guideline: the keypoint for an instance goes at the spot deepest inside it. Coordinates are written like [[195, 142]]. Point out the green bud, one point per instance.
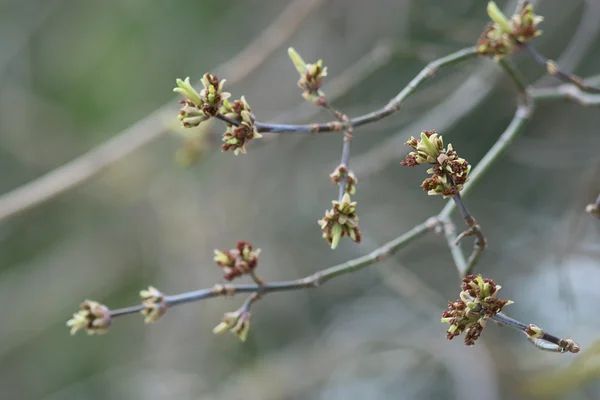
[[429, 145], [297, 60], [186, 89], [336, 234], [498, 17], [228, 322]]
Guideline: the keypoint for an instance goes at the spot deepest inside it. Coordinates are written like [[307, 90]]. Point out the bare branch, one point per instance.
[[567, 92]]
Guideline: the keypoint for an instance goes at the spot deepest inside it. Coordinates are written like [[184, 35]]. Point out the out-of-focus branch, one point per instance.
[[151, 127], [515, 75], [348, 79], [473, 230], [522, 114], [567, 92], [457, 255], [82, 168], [594, 208], [553, 69]]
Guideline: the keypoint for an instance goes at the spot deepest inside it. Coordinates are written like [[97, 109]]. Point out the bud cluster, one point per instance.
[[92, 317], [534, 332], [311, 78], [477, 303], [236, 262], [503, 36], [198, 107], [154, 304], [339, 174], [449, 171], [236, 137], [236, 322], [340, 221]]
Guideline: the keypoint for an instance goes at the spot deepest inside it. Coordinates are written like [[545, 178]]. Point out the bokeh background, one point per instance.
[[75, 74]]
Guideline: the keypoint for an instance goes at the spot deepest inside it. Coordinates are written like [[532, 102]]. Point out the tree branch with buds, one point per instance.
[[449, 176]]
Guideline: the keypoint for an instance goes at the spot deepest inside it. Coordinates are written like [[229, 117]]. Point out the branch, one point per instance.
[[312, 281], [473, 230], [515, 75], [457, 254], [567, 92], [344, 167], [539, 338], [522, 114], [554, 70], [391, 107]]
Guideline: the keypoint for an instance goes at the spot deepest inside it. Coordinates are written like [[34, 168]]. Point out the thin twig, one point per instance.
[[473, 230], [515, 75], [345, 161], [467, 96], [554, 70], [391, 107], [150, 128], [457, 255], [312, 281], [546, 342], [567, 92]]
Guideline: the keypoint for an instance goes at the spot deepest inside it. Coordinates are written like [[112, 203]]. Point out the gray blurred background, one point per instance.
[[74, 74]]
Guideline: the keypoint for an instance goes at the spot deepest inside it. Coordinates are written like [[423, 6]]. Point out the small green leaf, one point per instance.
[[498, 17], [297, 60]]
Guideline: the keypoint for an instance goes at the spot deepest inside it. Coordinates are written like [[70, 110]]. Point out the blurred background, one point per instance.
[[76, 74]]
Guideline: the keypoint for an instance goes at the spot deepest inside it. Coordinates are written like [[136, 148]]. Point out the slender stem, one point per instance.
[[460, 205], [473, 230], [554, 70], [474, 258], [457, 254], [311, 281], [428, 72], [391, 107], [545, 342], [566, 92], [515, 75]]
